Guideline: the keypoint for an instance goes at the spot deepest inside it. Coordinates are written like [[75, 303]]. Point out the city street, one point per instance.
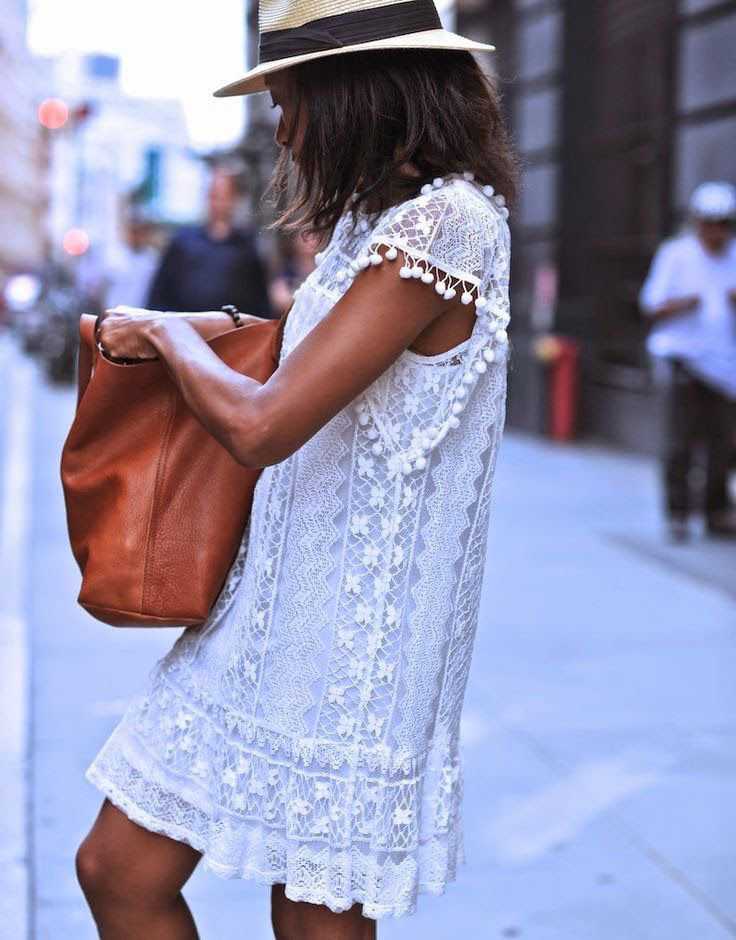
[[599, 732]]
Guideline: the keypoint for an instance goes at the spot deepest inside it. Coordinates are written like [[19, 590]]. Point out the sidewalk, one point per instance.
[[599, 730]]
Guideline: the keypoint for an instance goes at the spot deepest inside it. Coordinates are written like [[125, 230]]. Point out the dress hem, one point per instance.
[[229, 873]]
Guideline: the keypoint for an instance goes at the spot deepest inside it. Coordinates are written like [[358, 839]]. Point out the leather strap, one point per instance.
[[87, 353], [88, 349]]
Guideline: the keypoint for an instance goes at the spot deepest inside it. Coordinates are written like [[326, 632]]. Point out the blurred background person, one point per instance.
[[208, 266], [690, 296], [295, 264], [130, 275]]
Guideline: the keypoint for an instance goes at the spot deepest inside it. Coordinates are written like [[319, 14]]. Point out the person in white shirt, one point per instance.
[[690, 297], [130, 275]]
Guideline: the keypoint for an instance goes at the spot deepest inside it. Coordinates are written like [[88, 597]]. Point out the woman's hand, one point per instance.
[[123, 332], [351, 346]]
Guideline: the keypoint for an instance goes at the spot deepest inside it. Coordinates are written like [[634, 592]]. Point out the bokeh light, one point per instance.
[[53, 113], [76, 242]]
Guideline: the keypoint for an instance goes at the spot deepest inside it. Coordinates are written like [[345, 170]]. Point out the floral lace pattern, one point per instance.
[[307, 734]]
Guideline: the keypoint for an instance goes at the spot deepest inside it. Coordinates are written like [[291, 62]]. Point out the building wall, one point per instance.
[[619, 109], [706, 96], [98, 162], [22, 161]]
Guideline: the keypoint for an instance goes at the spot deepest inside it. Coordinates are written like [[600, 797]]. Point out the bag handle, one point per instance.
[[87, 349]]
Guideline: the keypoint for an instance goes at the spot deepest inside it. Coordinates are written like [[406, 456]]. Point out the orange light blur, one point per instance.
[[76, 242], [53, 113]]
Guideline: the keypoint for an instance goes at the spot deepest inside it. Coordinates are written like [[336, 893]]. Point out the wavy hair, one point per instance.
[[381, 125]]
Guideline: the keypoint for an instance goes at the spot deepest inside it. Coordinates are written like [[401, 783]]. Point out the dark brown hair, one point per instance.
[[369, 114]]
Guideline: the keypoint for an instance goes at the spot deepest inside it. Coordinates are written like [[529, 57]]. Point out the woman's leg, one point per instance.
[[132, 879], [299, 921]]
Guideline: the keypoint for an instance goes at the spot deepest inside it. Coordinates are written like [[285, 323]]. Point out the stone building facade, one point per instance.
[[23, 158], [619, 109]]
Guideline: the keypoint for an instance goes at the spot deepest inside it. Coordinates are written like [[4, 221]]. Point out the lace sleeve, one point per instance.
[[448, 236], [453, 237]]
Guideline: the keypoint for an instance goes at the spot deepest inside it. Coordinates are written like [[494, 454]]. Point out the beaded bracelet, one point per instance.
[[233, 312]]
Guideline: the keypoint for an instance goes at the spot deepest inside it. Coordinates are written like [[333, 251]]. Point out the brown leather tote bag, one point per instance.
[[156, 507]]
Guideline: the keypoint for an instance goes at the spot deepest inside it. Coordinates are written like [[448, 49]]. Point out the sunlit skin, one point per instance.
[[290, 129], [133, 878], [715, 237]]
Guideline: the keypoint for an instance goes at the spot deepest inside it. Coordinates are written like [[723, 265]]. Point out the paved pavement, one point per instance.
[[600, 728]]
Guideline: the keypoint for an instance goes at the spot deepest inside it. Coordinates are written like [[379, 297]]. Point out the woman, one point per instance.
[[307, 736]]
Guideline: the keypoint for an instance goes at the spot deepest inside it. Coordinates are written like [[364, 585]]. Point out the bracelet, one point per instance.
[[233, 312]]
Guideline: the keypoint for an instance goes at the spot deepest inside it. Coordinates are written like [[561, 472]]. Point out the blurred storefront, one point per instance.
[[115, 147], [23, 190], [257, 152], [619, 109]]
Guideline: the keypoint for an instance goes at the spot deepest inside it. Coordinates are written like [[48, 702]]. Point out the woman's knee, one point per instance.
[[94, 870], [122, 863]]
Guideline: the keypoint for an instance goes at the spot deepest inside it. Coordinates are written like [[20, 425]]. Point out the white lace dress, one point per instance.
[[308, 733]]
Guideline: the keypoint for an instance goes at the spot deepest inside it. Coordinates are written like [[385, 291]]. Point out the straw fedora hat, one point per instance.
[[296, 31]]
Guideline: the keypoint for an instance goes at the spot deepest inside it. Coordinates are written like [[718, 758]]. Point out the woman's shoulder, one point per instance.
[[454, 224], [458, 197]]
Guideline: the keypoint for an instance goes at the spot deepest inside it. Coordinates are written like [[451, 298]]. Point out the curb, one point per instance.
[[15, 909]]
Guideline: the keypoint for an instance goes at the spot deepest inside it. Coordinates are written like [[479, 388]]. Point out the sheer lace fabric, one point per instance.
[[307, 734]]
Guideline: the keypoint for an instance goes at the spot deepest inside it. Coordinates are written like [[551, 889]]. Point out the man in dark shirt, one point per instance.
[[208, 266]]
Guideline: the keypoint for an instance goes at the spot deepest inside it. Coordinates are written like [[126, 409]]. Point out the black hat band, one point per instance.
[[349, 29]]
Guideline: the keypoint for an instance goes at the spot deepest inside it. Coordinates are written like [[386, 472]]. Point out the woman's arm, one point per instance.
[[377, 319], [208, 325]]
